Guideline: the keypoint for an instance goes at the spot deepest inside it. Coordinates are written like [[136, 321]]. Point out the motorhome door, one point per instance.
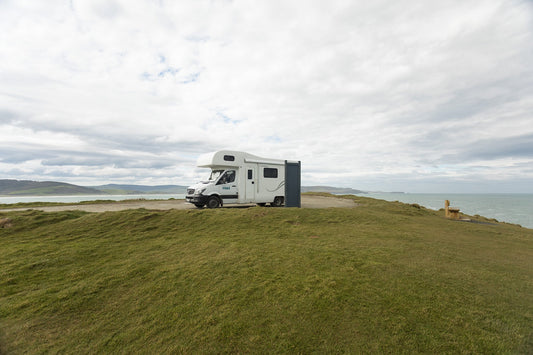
[[227, 186], [250, 183]]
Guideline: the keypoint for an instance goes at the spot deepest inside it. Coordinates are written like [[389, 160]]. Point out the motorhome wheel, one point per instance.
[[213, 202], [278, 201]]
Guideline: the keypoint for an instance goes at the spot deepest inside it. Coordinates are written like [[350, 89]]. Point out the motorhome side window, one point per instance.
[[270, 173], [229, 157], [229, 176]]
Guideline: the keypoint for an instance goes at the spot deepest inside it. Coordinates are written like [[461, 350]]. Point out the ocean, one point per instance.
[[511, 208]]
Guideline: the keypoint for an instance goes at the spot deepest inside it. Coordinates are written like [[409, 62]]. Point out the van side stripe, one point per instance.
[[281, 184], [229, 196]]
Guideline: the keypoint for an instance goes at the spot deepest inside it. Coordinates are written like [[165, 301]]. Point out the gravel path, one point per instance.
[[307, 202]]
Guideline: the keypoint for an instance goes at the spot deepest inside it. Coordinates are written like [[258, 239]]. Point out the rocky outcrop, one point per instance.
[[6, 223]]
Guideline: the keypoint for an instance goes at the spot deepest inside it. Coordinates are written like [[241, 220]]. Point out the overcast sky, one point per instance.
[[415, 96]]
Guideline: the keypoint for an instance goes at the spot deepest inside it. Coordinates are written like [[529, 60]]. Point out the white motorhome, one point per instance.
[[239, 177]]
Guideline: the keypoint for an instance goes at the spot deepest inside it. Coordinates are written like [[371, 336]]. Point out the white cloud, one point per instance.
[[374, 95]]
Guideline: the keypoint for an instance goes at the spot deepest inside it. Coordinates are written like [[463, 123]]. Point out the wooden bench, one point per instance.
[[451, 212]]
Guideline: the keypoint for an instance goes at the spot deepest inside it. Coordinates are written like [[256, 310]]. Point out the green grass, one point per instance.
[[91, 202], [380, 278]]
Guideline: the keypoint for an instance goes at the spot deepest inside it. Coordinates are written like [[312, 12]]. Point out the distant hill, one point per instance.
[[331, 190], [36, 188], [141, 189], [177, 189]]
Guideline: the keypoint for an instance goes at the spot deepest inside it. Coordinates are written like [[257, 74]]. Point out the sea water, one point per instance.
[[511, 208]]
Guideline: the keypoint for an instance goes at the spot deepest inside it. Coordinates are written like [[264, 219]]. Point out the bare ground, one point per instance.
[[307, 202]]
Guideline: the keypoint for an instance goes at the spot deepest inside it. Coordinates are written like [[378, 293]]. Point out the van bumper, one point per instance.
[[197, 199]]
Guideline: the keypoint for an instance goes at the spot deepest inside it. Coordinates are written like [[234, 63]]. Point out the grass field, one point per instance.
[[383, 277]]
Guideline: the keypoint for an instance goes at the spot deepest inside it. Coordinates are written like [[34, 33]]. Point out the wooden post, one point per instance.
[[447, 209]]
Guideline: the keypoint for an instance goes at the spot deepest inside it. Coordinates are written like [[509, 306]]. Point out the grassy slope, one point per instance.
[[378, 278], [5, 206], [45, 204]]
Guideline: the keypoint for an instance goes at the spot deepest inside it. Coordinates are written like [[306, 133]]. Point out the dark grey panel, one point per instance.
[[293, 184]]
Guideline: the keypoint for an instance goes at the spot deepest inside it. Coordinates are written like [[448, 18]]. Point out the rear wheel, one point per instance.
[[213, 202], [278, 202]]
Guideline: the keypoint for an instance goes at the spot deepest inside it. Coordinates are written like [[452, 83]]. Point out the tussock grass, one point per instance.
[[382, 277], [91, 202]]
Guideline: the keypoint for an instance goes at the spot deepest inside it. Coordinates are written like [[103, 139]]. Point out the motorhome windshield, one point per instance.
[[215, 174]]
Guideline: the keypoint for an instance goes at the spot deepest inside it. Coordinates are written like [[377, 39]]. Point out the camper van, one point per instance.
[[239, 177]]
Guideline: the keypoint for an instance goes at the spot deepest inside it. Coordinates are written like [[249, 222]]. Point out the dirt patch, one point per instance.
[[326, 201], [307, 202]]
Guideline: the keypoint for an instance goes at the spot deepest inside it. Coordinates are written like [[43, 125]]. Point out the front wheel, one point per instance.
[[278, 202], [213, 202]]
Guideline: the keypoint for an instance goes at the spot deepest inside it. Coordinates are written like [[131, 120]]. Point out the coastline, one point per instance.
[[513, 208], [503, 207]]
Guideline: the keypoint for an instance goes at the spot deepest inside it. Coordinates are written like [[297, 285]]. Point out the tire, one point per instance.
[[278, 202], [199, 205], [213, 202]]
